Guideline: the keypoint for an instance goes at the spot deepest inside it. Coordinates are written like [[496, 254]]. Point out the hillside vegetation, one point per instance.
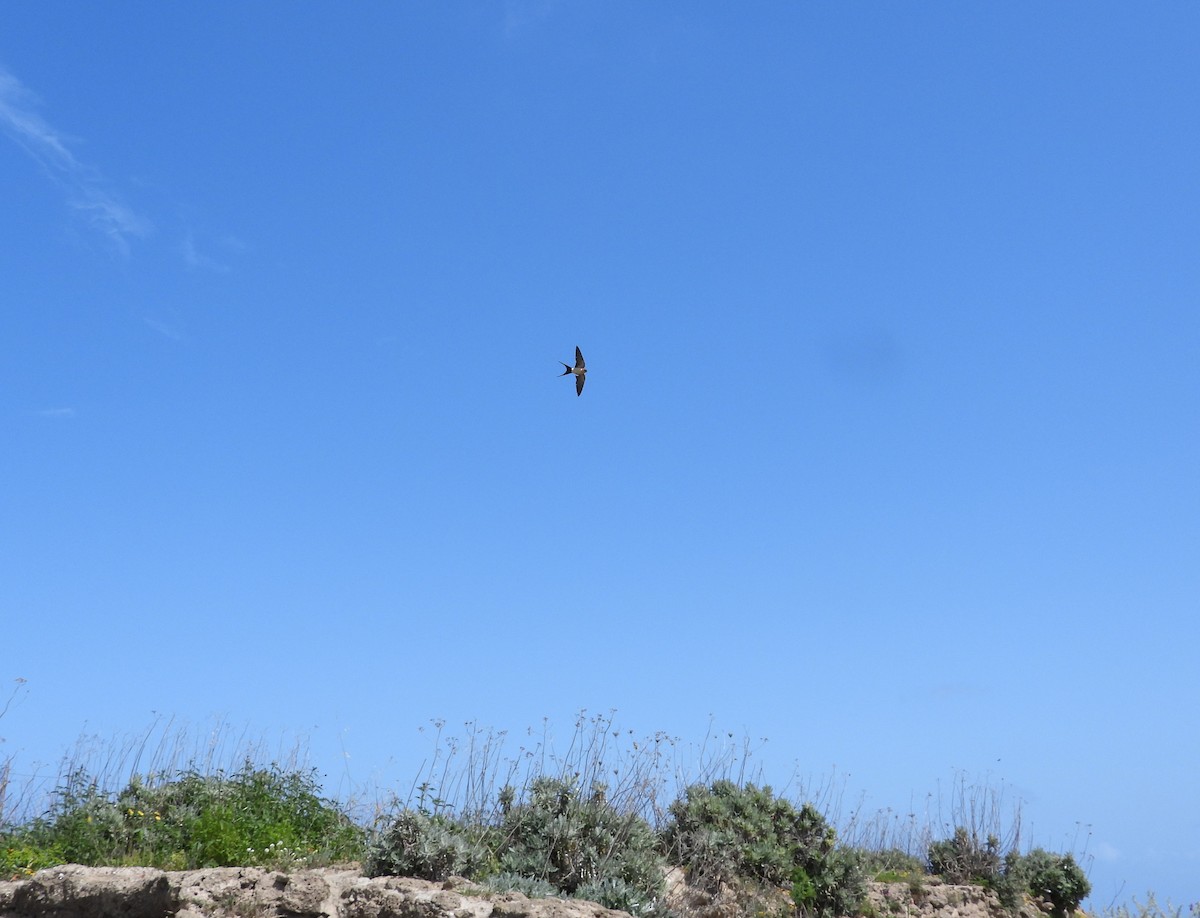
[[604, 822]]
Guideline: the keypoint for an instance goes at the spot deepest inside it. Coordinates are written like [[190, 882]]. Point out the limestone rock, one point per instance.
[[929, 897], [73, 891]]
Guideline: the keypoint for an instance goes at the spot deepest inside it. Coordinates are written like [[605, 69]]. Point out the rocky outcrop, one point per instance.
[[72, 891], [929, 897]]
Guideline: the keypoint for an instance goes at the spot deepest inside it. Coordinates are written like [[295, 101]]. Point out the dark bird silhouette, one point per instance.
[[580, 371]]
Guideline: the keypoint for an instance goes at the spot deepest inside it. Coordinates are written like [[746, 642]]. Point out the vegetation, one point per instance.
[[256, 815], [963, 858], [1151, 908], [559, 841], [579, 842], [601, 821], [891, 865], [724, 832], [1054, 879], [429, 846]]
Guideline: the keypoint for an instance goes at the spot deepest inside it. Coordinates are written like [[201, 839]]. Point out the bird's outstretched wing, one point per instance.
[[579, 358], [579, 384]]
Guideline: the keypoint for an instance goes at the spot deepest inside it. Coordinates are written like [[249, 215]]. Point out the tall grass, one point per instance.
[[6, 803], [642, 775], [471, 778], [165, 749], [1151, 908], [177, 798], [984, 807], [477, 774]]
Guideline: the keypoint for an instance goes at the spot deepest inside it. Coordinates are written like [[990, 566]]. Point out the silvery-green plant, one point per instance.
[[576, 840], [429, 846]]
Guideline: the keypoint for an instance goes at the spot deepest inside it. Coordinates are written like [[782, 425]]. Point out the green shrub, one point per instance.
[[21, 856], [82, 824], [615, 893], [840, 884], [430, 846], [254, 816], [1054, 878], [963, 859], [1010, 885], [804, 891], [723, 832], [267, 816], [891, 865], [575, 842], [557, 842]]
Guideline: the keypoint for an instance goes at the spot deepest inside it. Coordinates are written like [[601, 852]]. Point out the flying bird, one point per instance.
[[580, 371]]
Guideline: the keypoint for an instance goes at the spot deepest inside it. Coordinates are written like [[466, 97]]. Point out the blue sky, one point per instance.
[[890, 442]]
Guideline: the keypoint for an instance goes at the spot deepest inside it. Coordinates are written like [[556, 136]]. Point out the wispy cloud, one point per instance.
[[214, 255], [87, 191], [164, 327], [194, 258]]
